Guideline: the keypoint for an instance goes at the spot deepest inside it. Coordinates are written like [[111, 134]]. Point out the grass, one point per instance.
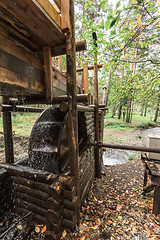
[[137, 122], [21, 123]]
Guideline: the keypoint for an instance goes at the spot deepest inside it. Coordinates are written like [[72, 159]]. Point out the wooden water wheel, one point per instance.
[[48, 144]]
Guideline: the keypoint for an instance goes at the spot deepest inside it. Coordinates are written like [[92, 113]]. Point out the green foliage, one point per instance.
[[128, 47], [21, 123], [131, 156]]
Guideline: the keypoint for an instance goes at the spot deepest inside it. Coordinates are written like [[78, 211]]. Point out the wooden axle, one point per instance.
[[126, 147], [60, 50], [89, 68], [15, 108]]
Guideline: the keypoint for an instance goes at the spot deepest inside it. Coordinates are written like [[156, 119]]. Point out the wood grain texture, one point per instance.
[[48, 73], [30, 19]]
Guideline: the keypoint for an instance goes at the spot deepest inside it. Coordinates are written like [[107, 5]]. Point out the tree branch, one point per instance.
[[148, 60]]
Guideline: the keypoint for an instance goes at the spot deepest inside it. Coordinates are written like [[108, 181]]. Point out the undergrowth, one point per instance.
[[136, 123]]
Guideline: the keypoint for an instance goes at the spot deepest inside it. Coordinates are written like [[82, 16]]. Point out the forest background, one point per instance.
[[128, 47]]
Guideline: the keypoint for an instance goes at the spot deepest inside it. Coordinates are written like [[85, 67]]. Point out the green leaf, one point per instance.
[[118, 4], [101, 35], [140, 1], [130, 2], [112, 23], [107, 24]]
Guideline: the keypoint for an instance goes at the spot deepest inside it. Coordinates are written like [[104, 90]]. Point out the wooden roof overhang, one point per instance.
[[33, 23], [31, 31]]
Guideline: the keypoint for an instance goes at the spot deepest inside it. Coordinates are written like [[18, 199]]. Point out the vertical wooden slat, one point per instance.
[[104, 94], [97, 157], [60, 63], [48, 73], [65, 23], [103, 113], [8, 138], [85, 77], [156, 200], [72, 103]]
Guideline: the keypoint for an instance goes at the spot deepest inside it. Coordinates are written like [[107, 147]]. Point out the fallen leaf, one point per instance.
[[20, 227], [37, 229], [83, 238], [119, 207], [44, 229], [64, 233], [109, 221], [49, 176]]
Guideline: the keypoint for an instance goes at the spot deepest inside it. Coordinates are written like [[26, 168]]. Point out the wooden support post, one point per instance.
[[48, 73], [104, 94], [85, 77], [60, 63], [72, 103], [156, 200], [65, 24], [97, 157], [104, 112], [8, 138]]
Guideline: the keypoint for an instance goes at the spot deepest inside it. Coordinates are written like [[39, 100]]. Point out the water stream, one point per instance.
[[118, 156]]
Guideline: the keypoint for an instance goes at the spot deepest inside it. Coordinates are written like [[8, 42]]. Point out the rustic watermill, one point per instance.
[[48, 145]]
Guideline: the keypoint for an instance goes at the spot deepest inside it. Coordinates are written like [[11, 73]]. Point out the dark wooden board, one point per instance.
[[28, 19], [21, 76]]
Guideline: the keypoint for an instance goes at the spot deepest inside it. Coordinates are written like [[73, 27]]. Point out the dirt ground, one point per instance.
[[115, 207]]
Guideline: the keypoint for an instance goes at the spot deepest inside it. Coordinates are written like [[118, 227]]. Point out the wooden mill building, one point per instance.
[[52, 182]]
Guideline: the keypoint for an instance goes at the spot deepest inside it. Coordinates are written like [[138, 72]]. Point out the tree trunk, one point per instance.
[[145, 110], [108, 88], [114, 111], [120, 109], [156, 113]]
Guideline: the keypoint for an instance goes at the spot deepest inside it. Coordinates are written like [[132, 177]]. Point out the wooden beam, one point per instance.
[[34, 22], [60, 63], [58, 3], [8, 138], [50, 10], [48, 73], [9, 46], [85, 77], [18, 77], [61, 50], [65, 23], [97, 157], [89, 68], [72, 103]]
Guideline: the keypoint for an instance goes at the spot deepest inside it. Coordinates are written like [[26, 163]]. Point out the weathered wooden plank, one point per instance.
[[61, 50], [58, 3], [65, 23], [12, 33], [31, 184], [9, 46], [49, 8], [97, 158], [30, 173], [37, 24], [72, 103], [48, 73], [30, 191], [29, 206], [89, 68], [8, 138], [85, 77], [15, 84]]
